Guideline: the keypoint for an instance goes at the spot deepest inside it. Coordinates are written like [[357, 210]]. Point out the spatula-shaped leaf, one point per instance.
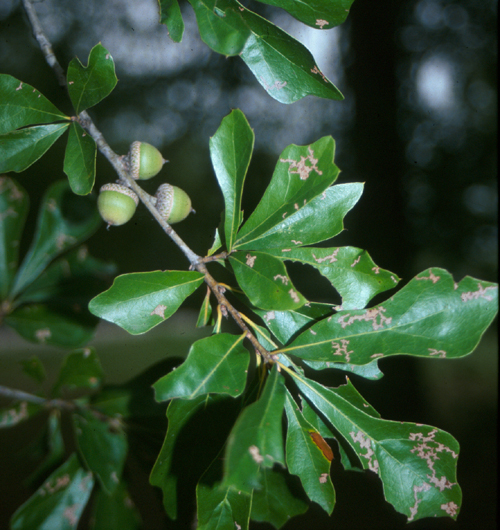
[[87, 85], [171, 16], [256, 440], [216, 364], [431, 316], [230, 150], [21, 105], [59, 502], [80, 369], [79, 160], [137, 302], [114, 511], [416, 463]]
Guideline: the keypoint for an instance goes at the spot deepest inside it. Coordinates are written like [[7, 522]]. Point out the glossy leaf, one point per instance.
[[306, 460], [205, 315], [79, 160], [19, 149], [115, 510], [87, 85], [265, 281], [34, 368], [368, 371], [416, 463], [59, 502], [21, 105], [216, 364], [350, 270], [256, 440], [230, 150], [302, 174], [171, 16], [425, 318], [14, 204], [320, 14], [137, 302], [17, 413], [80, 369], [274, 502], [65, 220]]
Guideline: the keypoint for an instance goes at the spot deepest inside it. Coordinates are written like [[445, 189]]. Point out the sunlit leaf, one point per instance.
[[171, 16]]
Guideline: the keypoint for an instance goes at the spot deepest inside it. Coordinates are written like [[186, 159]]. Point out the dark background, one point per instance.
[[418, 127]]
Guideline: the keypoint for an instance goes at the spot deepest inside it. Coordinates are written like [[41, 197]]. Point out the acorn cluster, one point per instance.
[[117, 203]]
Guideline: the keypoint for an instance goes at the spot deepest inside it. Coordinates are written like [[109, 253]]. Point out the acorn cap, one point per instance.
[[173, 203], [145, 161], [116, 204]]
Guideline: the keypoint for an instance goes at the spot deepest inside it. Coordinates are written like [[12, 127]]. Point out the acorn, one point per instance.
[[145, 161], [116, 204], [173, 203]]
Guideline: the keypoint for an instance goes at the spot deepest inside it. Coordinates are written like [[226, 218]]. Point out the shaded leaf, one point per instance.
[[426, 318], [17, 413], [102, 445], [59, 502], [79, 160], [171, 16], [21, 105], [114, 511], [19, 149], [230, 150], [87, 85], [14, 204], [256, 440], [205, 315], [34, 368], [137, 302], [80, 369], [216, 364]]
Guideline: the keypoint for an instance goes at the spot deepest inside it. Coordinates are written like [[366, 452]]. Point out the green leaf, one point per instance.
[[87, 85], [256, 440], [171, 16], [59, 502], [368, 371], [216, 364], [302, 174], [320, 14], [34, 368], [416, 463], [431, 316], [306, 459], [14, 204], [46, 324], [137, 302], [65, 220], [230, 150], [274, 503], [265, 281], [17, 413], [19, 149], [114, 511], [205, 314], [350, 270], [79, 160], [21, 105], [80, 369], [102, 445]]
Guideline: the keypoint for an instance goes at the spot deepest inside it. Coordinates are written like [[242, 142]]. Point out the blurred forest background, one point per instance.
[[418, 126]]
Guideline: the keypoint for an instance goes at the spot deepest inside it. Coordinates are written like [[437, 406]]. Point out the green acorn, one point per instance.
[[173, 203], [116, 204], [145, 161]]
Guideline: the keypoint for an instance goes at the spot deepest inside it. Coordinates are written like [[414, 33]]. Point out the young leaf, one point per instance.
[[171, 16], [59, 502], [116, 510], [137, 302], [34, 368], [217, 364], [14, 205], [230, 150], [302, 174], [64, 221], [274, 502], [432, 316], [21, 105], [256, 440], [79, 160], [416, 463], [205, 315], [80, 369], [87, 85], [17, 413], [102, 445], [306, 459], [350, 270], [320, 14], [265, 281], [19, 149]]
